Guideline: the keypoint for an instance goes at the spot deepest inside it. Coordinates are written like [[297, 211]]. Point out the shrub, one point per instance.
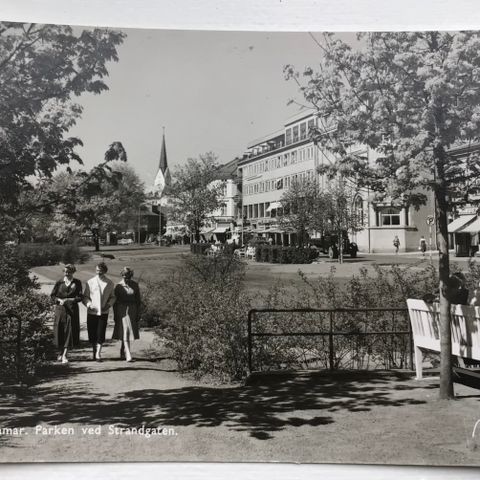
[[204, 309], [199, 248], [382, 288], [34, 311], [281, 254], [40, 254], [18, 297]]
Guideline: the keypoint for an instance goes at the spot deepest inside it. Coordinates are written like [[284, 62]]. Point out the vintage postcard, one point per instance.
[[239, 246]]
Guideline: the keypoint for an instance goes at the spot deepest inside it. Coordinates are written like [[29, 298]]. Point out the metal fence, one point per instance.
[[329, 338], [10, 346]]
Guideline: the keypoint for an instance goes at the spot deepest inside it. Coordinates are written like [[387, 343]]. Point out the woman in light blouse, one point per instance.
[[66, 294]]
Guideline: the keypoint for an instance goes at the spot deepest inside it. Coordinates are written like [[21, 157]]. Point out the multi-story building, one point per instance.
[[222, 223], [272, 163]]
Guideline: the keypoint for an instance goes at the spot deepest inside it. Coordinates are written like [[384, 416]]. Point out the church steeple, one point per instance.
[[163, 178]]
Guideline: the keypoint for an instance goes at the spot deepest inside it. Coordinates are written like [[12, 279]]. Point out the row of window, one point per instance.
[[280, 161], [280, 183], [299, 132], [385, 217]]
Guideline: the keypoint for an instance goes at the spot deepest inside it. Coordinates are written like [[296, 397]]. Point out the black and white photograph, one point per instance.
[[232, 246]]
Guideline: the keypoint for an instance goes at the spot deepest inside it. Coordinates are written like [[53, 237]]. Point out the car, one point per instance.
[[125, 241], [328, 244]]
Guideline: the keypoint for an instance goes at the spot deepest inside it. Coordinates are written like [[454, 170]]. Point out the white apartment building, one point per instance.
[[273, 162]]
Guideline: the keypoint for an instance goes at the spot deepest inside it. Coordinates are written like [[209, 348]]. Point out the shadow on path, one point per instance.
[[263, 407]]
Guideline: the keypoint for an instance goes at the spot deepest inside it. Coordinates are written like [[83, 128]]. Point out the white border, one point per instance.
[[272, 15]]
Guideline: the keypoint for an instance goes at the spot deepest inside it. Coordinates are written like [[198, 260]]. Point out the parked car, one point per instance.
[[328, 244], [125, 241]]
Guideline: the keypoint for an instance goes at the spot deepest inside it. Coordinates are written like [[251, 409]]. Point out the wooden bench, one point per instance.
[[425, 321]]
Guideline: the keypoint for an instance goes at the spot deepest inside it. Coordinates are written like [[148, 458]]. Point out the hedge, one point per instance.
[[281, 254], [41, 254]]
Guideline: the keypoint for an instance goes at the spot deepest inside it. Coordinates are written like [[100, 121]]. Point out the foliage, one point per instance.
[[14, 271], [42, 69], [382, 288], [202, 311], [410, 96], [38, 254], [301, 209], [18, 297], [281, 254], [36, 346], [195, 192]]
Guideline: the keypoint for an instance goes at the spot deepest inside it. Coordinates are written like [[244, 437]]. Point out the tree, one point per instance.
[[64, 205], [112, 202], [301, 209], [337, 212], [195, 192], [411, 97], [42, 69]]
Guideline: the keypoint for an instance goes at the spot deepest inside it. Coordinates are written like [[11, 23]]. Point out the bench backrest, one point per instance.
[[465, 328]]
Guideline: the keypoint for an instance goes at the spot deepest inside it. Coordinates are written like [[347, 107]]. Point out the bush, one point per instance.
[[18, 297], [202, 312], [382, 288], [40, 254], [199, 248], [281, 254]]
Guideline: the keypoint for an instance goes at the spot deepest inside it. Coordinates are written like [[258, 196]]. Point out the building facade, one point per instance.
[[272, 163]]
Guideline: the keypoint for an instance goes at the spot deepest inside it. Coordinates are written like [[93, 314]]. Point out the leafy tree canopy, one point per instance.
[[42, 69], [195, 192]]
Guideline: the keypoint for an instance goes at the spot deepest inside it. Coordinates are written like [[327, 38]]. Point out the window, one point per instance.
[[279, 161], [223, 210], [358, 209], [295, 133], [389, 216], [288, 137], [294, 157], [311, 125], [286, 159], [303, 131]]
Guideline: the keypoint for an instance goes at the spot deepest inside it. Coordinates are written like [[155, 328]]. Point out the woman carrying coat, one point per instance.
[[126, 312], [66, 294]]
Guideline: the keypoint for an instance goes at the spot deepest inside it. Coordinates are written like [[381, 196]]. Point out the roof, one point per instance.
[[460, 222], [472, 227], [228, 170]]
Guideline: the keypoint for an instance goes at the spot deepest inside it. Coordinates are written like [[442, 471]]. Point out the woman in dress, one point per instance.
[[66, 294], [126, 312]]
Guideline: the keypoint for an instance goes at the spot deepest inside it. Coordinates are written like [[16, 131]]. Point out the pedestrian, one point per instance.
[[396, 243], [98, 297], [457, 292], [66, 294], [422, 245], [126, 312]]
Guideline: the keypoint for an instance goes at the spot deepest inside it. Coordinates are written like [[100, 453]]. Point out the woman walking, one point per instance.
[[126, 312], [98, 297], [66, 294]]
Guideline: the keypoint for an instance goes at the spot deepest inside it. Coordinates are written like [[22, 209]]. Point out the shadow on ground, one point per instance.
[[264, 406]]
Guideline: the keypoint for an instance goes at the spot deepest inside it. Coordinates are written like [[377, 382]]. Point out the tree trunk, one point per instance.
[[446, 384]]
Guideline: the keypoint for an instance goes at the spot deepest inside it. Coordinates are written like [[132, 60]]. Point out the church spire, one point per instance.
[[163, 178], [163, 166]]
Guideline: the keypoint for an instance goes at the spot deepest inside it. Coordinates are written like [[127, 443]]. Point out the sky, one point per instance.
[[212, 91]]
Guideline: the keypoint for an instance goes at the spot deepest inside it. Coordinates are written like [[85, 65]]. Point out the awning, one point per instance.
[[221, 229], [473, 227], [274, 206], [459, 222]]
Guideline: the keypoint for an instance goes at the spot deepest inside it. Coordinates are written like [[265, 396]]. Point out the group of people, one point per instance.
[[100, 294]]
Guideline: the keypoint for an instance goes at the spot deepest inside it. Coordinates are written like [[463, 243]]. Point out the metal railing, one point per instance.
[[331, 332], [17, 341]]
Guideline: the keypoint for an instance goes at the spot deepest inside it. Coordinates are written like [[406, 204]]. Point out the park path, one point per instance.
[[346, 417]]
